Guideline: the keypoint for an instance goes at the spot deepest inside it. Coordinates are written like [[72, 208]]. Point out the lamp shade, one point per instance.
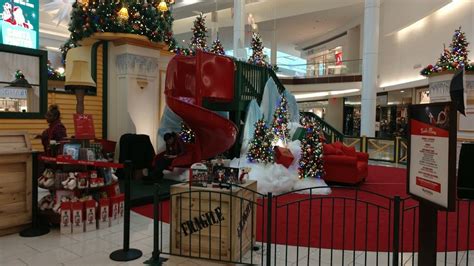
[[80, 76]]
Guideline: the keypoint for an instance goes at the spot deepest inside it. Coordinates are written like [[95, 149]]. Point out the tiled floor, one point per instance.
[[93, 248]]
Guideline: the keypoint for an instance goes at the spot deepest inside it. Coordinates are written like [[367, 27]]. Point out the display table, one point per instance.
[[15, 181], [213, 223]]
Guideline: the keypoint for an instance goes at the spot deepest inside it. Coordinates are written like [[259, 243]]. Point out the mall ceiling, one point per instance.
[[295, 21]]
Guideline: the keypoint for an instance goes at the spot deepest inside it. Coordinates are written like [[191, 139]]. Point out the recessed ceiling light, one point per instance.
[[402, 91]]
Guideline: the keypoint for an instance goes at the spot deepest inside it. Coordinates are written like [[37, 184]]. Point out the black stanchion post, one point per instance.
[[396, 229], [126, 254], [36, 228], [427, 234], [269, 228], [155, 255]]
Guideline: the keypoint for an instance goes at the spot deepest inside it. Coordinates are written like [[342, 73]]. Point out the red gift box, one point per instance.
[[114, 209], [66, 227], [77, 217], [104, 220], [90, 214], [283, 156], [112, 190]]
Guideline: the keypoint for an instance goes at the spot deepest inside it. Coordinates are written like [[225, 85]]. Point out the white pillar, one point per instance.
[[214, 27], [274, 47], [239, 30], [370, 67]]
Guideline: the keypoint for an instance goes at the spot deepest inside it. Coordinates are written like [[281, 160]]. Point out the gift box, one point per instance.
[[77, 209], [66, 226], [82, 180], [114, 210], [90, 214], [283, 156], [112, 190], [104, 207], [299, 134]]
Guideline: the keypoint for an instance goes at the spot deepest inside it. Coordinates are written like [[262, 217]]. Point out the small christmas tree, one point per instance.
[[198, 41], [445, 58], [187, 134], [260, 148], [281, 118], [217, 47], [311, 161], [459, 49], [258, 57]]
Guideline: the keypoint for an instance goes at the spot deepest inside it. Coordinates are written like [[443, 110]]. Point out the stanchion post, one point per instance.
[[427, 234], [36, 228], [396, 229], [126, 254], [155, 255]]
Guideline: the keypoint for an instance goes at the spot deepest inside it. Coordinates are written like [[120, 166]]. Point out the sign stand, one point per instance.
[[427, 234]]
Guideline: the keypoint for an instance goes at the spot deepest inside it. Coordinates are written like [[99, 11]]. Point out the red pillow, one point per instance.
[[350, 151], [329, 149], [338, 145]]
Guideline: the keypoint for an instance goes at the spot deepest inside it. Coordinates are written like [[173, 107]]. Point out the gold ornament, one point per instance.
[[123, 14], [162, 6]]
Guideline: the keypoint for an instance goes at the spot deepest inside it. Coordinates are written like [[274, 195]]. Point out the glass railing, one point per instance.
[[326, 69]]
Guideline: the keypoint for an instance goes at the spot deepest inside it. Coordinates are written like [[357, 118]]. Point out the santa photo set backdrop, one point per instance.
[[20, 23]]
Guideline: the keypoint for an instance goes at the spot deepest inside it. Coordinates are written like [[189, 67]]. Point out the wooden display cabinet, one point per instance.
[[15, 181]]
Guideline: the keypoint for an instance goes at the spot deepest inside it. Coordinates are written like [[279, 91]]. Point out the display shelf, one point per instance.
[[62, 160]]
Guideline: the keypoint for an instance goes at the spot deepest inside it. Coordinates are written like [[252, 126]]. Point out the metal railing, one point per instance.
[[351, 226], [327, 69]]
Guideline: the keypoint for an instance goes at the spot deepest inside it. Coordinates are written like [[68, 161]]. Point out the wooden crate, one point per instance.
[[15, 181], [232, 229]]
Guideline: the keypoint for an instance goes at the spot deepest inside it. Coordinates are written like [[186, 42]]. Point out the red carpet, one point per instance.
[[371, 225]]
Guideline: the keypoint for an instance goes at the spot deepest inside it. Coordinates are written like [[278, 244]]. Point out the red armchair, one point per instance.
[[344, 165]]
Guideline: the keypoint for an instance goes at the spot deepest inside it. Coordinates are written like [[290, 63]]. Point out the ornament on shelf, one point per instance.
[[261, 148]]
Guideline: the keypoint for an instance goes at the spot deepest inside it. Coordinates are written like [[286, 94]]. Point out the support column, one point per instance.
[[214, 27], [274, 49], [370, 67], [239, 30]]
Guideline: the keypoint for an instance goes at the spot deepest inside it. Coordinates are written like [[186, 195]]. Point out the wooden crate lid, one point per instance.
[[14, 142]]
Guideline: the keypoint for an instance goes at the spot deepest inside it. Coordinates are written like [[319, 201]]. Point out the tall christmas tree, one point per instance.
[[459, 49], [311, 161], [258, 57], [281, 118], [217, 47], [199, 38], [187, 134], [261, 148]]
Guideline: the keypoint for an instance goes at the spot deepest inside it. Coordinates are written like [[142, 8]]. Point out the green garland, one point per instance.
[[126, 16]]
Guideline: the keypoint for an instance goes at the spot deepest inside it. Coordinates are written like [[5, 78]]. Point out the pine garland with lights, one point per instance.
[[217, 47], [280, 122], [261, 148], [199, 38], [54, 74], [453, 59], [126, 16], [311, 161], [258, 57], [187, 134]]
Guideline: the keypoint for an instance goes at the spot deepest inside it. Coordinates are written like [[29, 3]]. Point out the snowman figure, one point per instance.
[[7, 15]]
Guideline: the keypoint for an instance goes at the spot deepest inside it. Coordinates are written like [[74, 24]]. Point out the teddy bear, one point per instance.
[[7, 15], [46, 202]]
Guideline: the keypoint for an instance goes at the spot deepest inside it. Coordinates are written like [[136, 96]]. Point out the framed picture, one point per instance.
[[72, 150], [23, 82]]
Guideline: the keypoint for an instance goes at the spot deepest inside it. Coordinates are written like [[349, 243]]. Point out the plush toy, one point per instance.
[[46, 202], [47, 179], [71, 182]]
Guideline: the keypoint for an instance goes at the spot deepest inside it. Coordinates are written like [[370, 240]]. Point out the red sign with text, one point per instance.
[[84, 126]]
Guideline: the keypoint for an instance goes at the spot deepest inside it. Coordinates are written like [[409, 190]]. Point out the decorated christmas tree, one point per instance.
[[199, 38], [217, 47], [151, 19], [258, 57], [453, 59], [311, 161], [261, 148], [459, 49], [187, 134], [280, 122]]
